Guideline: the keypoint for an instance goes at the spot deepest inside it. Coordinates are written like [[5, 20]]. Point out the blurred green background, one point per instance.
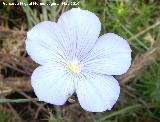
[[138, 21]]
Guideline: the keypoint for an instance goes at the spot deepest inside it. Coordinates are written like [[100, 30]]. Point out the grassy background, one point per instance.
[[136, 20]]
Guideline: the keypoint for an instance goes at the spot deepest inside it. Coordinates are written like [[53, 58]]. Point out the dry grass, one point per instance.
[[16, 68]]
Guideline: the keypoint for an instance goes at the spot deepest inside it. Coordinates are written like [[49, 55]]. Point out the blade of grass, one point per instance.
[[52, 10], [144, 31], [122, 111], [138, 41], [130, 33], [3, 101], [44, 11], [31, 17]]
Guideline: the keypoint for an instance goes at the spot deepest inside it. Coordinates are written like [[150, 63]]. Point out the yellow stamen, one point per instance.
[[74, 67]]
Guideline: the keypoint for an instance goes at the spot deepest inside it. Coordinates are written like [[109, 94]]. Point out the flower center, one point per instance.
[[74, 67]]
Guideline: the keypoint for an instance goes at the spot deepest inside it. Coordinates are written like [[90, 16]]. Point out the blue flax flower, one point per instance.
[[73, 58]]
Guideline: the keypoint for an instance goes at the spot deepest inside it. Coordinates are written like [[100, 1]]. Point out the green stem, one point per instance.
[[119, 112], [3, 101]]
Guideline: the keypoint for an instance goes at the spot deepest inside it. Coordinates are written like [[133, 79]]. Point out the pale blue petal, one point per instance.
[[96, 92], [52, 84], [45, 43], [111, 55], [83, 28]]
